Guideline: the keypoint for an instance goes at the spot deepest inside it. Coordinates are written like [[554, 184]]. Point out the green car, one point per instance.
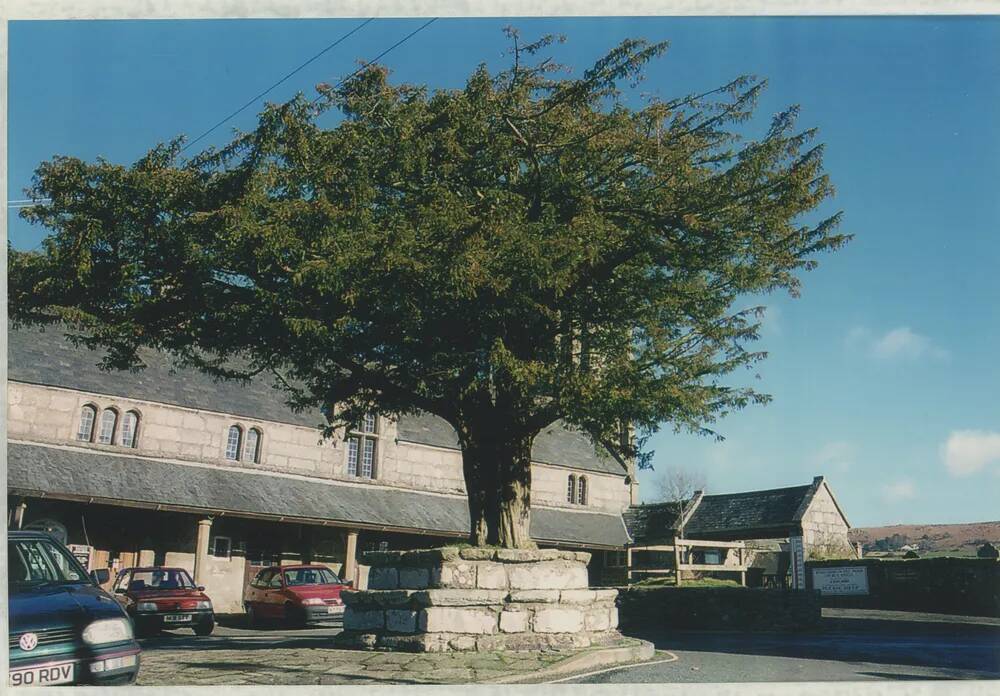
[[64, 629]]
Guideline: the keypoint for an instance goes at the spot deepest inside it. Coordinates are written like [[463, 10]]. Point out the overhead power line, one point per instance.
[[384, 53], [251, 102]]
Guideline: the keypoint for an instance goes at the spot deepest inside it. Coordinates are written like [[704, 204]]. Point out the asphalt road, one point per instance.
[[853, 645], [232, 633]]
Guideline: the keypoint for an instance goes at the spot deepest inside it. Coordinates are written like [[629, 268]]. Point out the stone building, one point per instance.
[[765, 535], [168, 466]]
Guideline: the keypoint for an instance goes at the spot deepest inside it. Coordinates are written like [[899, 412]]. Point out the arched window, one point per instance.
[[361, 446], [571, 489], [581, 491], [233, 442], [109, 420], [88, 414], [251, 452], [130, 429]]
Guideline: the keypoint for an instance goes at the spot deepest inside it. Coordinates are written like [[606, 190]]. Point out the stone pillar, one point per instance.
[[351, 557], [19, 511], [147, 557], [201, 549]]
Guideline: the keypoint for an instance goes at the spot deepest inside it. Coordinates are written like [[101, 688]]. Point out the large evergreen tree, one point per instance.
[[525, 250]]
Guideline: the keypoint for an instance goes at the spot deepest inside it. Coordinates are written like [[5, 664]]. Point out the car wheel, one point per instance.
[[204, 628], [294, 616]]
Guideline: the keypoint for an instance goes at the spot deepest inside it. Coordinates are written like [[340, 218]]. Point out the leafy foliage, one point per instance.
[[522, 250]]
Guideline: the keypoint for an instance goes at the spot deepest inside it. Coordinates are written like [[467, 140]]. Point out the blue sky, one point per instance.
[[884, 372]]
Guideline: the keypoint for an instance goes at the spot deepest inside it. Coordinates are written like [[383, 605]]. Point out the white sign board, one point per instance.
[[82, 553], [845, 580]]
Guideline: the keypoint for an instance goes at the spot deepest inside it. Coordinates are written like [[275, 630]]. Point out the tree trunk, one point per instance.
[[497, 470], [515, 496], [480, 486]]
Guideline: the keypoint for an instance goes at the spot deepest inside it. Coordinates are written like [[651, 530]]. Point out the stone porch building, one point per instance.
[[765, 535], [168, 466]]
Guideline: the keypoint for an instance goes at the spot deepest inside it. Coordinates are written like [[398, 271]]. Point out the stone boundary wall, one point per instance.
[[719, 608], [969, 586], [478, 599]]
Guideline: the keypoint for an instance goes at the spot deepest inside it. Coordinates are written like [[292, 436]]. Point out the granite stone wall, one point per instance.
[[478, 599], [718, 608], [968, 586], [52, 415], [824, 529]]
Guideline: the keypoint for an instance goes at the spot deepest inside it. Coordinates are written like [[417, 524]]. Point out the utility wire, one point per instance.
[[383, 53], [250, 103], [26, 202]]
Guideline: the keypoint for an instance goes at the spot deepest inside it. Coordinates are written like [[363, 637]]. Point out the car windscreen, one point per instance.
[[34, 562], [310, 576], [160, 579]]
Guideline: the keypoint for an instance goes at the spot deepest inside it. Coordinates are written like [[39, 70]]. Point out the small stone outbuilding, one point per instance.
[[765, 536]]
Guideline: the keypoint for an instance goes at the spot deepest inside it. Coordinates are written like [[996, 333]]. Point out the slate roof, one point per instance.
[[651, 522], [43, 356], [557, 444], [753, 514], [78, 473], [38, 355], [753, 511]]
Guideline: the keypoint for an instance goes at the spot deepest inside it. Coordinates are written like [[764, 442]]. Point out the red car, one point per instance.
[[158, 598], [297, 594]]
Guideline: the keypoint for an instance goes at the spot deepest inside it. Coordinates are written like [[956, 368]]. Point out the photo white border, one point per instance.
[[291, 9]]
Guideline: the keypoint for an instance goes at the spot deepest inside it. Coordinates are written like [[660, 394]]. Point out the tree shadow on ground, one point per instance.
[[903, 677], [168, 641], [935, 645]]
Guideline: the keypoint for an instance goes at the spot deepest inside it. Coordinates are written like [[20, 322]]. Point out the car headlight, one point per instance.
[[107, 631], [204, 604], [312, 600], [145, 606]]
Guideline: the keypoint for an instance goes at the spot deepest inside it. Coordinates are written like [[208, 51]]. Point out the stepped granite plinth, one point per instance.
[[482, 599]]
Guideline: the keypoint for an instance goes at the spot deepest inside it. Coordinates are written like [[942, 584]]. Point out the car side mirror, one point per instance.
[[349, 583], [100, 575], [201, 588]]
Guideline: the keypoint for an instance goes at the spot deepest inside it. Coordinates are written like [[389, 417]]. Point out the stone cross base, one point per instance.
[[478, 599]]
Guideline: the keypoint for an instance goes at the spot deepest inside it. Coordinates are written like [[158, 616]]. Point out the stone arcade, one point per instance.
[[479, 599]]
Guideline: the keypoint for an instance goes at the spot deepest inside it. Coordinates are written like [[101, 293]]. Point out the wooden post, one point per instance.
[[677, 561], [743, 570], [628, 565]]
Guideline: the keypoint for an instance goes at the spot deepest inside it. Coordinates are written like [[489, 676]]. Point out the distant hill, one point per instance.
[[961, 539]]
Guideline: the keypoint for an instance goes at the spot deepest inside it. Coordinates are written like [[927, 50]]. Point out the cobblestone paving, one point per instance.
[[290, 657]]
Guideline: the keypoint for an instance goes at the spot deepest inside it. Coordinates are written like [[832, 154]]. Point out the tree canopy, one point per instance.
[[523, 250]]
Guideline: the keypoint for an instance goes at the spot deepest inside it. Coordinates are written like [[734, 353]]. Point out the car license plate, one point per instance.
[[41, 676], [176, 618], [334, 610]]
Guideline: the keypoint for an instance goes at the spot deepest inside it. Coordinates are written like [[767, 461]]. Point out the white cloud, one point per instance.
[[770, 323], [898, 491], [901, 343], [838, 456], [967, 452]]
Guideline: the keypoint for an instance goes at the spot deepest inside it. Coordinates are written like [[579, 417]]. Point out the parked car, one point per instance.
[[297, 594], [157, 598], [64, 629]]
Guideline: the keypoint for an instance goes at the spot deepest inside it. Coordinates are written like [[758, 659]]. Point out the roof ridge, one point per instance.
[[764, 490]]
